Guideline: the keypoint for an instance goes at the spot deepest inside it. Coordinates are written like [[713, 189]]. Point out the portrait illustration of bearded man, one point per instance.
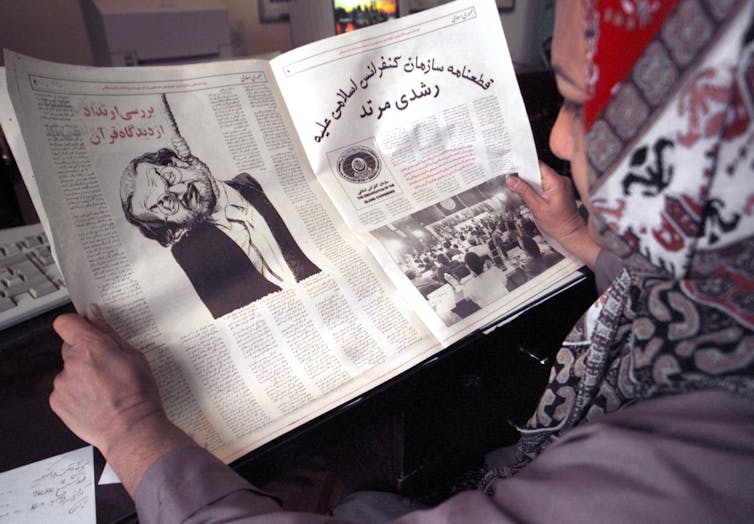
[[226, 235]]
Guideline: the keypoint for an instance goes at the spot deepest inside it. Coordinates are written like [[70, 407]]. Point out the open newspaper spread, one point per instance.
[[281, 236]]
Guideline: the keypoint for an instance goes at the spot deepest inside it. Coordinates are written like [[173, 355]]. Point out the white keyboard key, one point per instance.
[[25, 269], [12, 280], [16, 288], [53, 273], [32, 241], [6, 304], [12, 259], [42, 288], [36, 279], [45, 260], [23, 298], [44, 256], [8, 249]]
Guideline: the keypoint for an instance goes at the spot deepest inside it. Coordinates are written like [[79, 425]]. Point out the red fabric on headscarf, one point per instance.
[[622, 40]]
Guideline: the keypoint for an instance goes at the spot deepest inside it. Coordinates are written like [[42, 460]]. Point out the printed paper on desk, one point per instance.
[[58, 489]]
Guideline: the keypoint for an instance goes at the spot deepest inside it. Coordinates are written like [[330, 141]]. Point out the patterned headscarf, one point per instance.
[[670, 150]]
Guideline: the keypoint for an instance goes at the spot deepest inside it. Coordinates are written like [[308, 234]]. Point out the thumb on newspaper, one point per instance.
[[94, 315], [523, 190], [554, 209]]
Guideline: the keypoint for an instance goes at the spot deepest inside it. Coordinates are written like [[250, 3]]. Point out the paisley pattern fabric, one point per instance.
[[670, 149]]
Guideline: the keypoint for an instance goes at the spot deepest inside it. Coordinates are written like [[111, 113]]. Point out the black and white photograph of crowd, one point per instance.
[[469, 251]]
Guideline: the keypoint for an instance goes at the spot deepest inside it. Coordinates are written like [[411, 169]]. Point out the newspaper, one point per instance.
[[281, 236]]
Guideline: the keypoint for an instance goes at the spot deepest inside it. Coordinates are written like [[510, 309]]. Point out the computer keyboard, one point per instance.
[[30, 281]]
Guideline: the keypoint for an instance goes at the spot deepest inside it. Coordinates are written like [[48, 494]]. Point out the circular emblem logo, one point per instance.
[[448, 204], [359, 164]]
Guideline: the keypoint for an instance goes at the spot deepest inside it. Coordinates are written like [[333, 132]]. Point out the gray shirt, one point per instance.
[[678, 458], [606, 269]]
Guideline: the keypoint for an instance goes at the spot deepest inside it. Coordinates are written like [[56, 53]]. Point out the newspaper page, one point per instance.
[[180, 202], [275, 259], [412, 127]]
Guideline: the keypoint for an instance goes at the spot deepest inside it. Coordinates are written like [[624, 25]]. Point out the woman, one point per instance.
[[666, 165], [649, 412]]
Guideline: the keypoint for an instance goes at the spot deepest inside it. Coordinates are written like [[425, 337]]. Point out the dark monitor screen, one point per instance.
[[355, 14]]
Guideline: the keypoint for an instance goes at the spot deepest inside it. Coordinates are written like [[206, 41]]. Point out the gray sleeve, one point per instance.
[[606, 269], [680, 458], [190, 483]]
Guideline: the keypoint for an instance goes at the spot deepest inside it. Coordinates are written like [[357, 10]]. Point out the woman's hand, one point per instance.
[[556, 214]]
